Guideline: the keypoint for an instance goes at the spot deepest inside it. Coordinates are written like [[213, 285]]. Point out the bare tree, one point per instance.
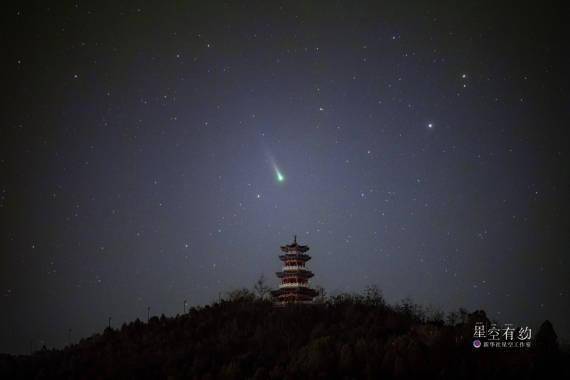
[[374, 296], [321, 294], [261, 288]]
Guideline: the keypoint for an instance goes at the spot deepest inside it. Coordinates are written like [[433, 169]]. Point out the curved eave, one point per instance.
[[294, 248], [299, 290], [295, 256], [296, 273]]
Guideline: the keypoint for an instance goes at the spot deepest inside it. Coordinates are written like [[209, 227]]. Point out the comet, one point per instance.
[[280, 177]]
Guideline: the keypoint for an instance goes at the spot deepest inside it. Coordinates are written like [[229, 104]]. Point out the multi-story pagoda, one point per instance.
[[294, 287]]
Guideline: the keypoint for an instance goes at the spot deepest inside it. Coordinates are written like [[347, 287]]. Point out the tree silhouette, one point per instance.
[[261, 288], [347, 336]]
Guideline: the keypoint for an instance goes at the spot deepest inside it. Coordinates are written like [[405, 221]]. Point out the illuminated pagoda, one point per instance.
[[294, 287]]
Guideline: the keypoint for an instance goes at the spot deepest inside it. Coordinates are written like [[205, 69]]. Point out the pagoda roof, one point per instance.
[[295, 256], [301, 290], [297, 273], [288, 299], [294, 247]]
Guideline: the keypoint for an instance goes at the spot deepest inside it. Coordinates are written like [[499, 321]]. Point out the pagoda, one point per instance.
[[294, 287]]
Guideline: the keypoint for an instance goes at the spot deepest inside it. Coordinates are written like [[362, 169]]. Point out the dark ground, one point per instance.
[[345, 337]]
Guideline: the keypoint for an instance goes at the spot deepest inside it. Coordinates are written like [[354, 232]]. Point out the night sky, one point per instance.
[[155, 153]]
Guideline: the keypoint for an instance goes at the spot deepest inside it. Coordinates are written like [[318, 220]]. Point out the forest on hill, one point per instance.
[[244, 336]]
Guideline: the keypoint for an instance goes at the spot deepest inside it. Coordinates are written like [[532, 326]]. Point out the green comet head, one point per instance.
[[278, 175]]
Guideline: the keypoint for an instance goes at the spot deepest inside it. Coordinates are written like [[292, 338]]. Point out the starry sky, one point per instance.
[[152, 153]]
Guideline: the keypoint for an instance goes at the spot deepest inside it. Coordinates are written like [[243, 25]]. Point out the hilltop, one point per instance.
[[244, 336]]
